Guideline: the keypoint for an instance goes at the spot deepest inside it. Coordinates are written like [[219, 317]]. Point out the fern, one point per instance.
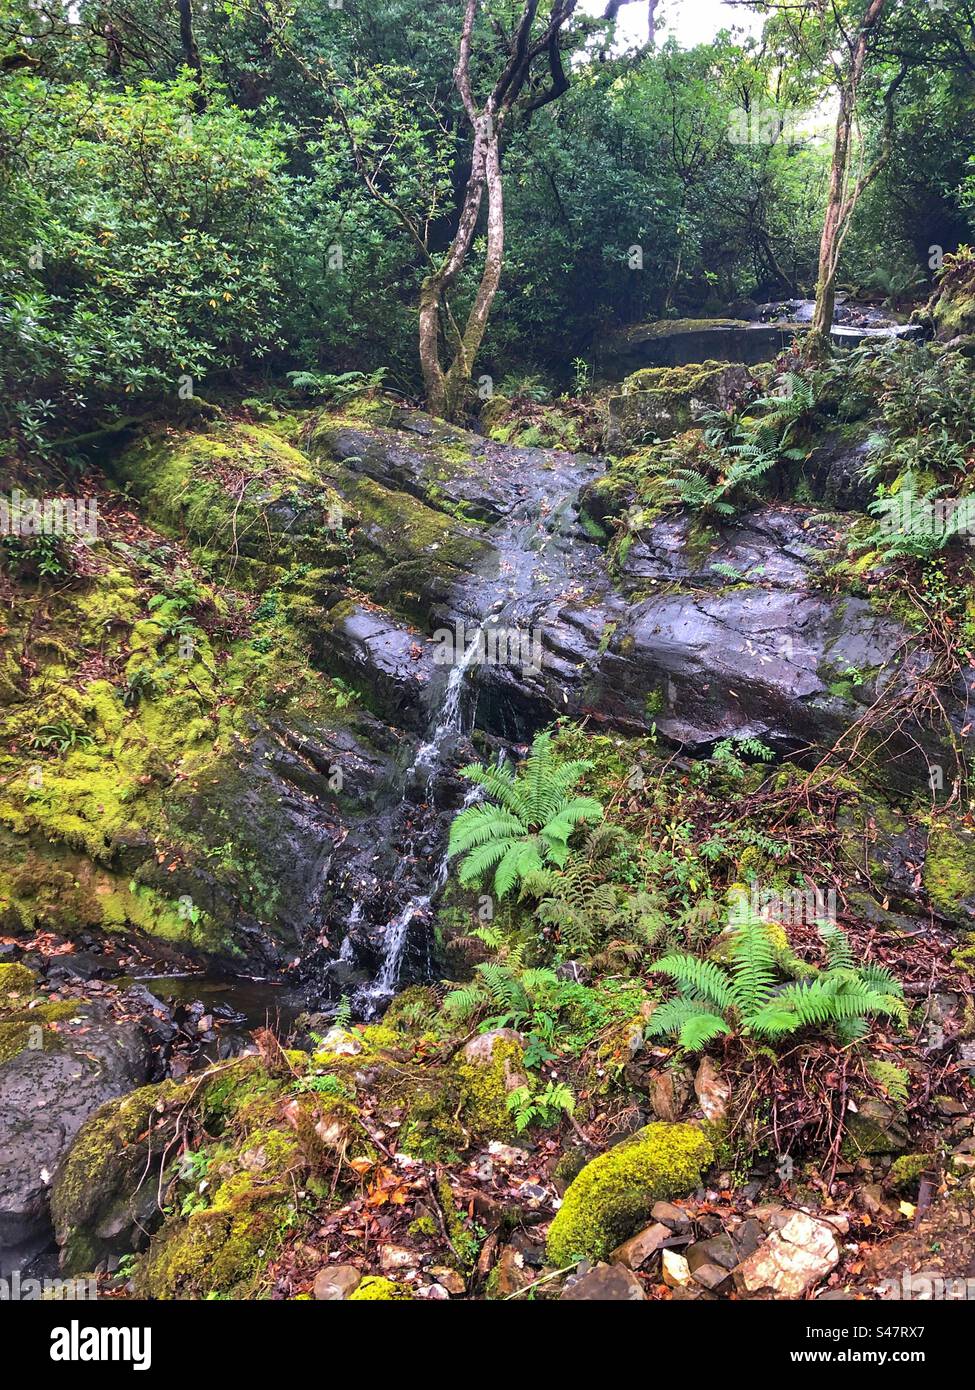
[[745, 998], [585, 911], [753, 967], [892, 1079], [528, 822]]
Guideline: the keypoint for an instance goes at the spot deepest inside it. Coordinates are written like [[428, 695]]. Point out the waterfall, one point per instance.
[[426, 765]]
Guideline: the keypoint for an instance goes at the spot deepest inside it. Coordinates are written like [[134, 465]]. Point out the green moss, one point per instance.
[[16, 983], [964, 956], [675, 383], [14, 1037], [375, 1286], [906, 1171], [220, 1252], [105, 1166], [615, 1191], [873, 1130], [424, 1226], [145, 769], [484, 1091], [949, 869]]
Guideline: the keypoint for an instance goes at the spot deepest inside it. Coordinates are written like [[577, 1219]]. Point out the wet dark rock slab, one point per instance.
[[46, 1094]]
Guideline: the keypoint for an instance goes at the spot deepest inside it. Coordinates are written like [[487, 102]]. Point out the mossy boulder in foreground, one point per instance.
[[614, 1192]]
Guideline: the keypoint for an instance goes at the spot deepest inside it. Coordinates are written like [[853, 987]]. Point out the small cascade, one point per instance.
[[422, 773], [504, 603]]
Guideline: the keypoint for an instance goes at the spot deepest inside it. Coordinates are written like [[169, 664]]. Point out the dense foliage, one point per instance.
[[270, 196]]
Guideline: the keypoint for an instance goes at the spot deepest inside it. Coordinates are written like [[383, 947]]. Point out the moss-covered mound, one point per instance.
[[949, 870], [255, 506], [614, 1192], [951, 310], [661, 401], [236, 1158], [144, 747], [26, 1019], [102, 1202]]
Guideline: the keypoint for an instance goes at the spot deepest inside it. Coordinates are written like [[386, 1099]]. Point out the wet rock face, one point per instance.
[[739, 641], [392, 662], [46, 1094], [286, 801], [312, 826], [837, 472]]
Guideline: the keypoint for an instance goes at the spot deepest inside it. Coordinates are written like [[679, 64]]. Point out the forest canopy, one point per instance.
[[209, 192]]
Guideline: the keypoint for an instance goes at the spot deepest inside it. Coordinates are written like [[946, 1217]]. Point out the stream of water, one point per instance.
[[426, 766]]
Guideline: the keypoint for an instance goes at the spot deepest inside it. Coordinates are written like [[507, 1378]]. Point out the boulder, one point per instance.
[[661, 402], [612, 1193], [675, 1270], [635, 1252], [336, 1283], [47, 1092], [713, 1091], [792, 1261], [605, 1284]]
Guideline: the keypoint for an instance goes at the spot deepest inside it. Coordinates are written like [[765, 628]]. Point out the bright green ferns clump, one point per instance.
[[615, 1192], [746, 999], [528, 821]]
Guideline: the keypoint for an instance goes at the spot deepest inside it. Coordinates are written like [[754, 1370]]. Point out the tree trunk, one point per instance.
[[435, 287], [841, 200], [446, 390], [822, 321], [191, 53], [459, 374]]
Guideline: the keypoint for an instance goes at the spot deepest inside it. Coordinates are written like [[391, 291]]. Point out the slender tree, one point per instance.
[[846, 187], [844, 35], [447, 387]]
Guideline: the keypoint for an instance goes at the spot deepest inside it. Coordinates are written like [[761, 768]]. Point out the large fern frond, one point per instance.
[[700, 979], [480, 824], [752, 965]]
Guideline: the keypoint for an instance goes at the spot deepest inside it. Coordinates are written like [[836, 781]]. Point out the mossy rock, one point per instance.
[[104, 1199], [949, 872], [376, 1287], [221, 1252], [234, 491], [615, 1192], [661, 400], [952, 306], [159, 805], [486, 1084], [906, 1172], [254, 1137], [874, 1129], [17, 985]]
